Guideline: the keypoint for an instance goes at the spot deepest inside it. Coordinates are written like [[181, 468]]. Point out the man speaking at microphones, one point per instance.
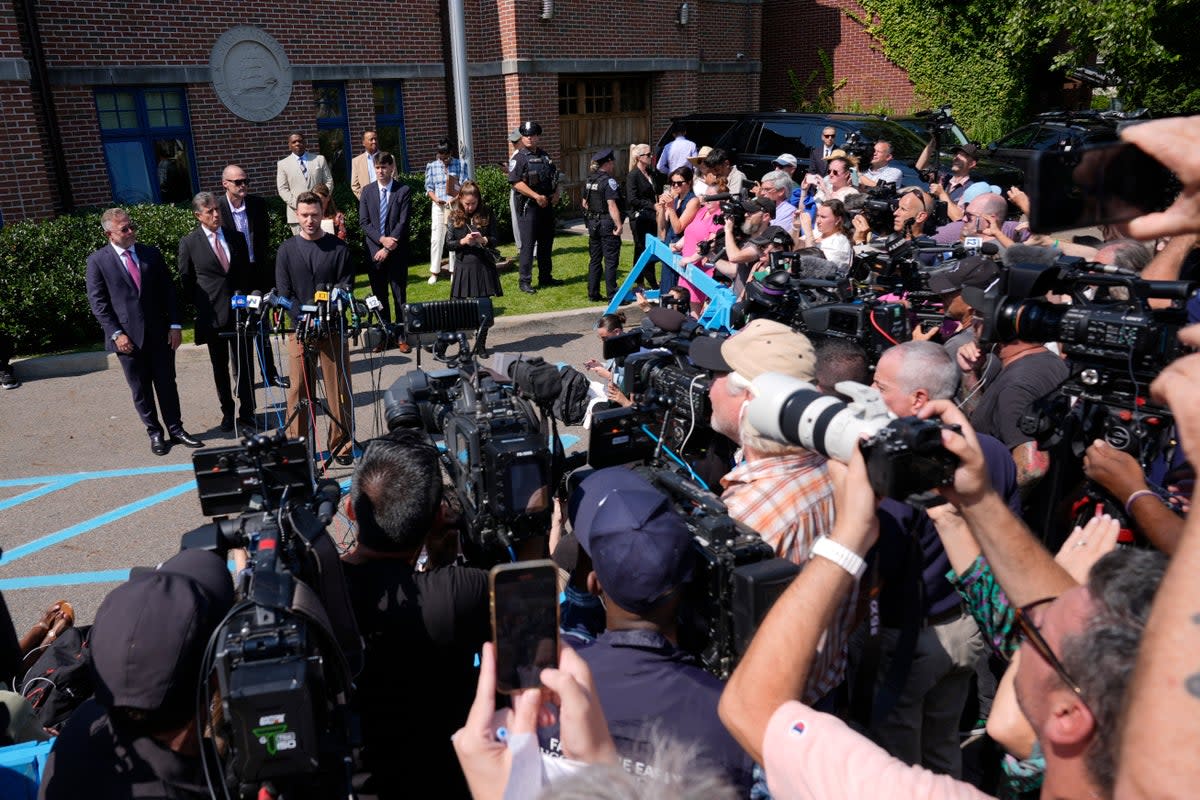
[[214, 265], [305, 267]]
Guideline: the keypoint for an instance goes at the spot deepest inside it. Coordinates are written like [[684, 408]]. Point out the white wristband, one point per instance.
[[839, 554]]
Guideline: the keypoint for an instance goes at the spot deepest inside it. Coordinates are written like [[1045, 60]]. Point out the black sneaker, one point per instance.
[[8, 380]]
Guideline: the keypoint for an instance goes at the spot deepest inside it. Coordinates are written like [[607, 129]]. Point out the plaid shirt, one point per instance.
[[435, 177], [788, 499]]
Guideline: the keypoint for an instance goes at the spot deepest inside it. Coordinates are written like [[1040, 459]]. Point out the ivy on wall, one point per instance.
[[989, 59]]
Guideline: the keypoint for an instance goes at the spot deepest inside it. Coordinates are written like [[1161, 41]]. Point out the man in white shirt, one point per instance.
[[881, 171], [677, 153]]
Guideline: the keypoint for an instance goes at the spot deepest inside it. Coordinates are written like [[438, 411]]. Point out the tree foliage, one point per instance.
[[988, 59]]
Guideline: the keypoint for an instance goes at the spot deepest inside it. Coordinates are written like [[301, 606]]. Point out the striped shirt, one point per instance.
[[788, 500]]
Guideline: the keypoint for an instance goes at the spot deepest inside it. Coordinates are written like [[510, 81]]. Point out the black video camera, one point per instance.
[[736, 576], [285, 656]]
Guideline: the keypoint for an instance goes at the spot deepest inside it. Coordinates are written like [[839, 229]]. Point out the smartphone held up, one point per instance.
[[524, 622]]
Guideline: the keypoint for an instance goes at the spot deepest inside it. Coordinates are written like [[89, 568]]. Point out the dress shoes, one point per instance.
[[159, 445], [380, 346], [551, 282], [247, 427], [282, 381], [404, 347], [344, 460], [184, 438], [226, 422], [527, 289]]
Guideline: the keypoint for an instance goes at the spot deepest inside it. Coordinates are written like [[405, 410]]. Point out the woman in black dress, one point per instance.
[[640, 198], [472, 235]]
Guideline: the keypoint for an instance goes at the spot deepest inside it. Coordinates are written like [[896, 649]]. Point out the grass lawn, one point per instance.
[[570, 265]]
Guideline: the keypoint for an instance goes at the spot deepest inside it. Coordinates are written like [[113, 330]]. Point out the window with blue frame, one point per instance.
[[147, 140], [333, 128], [389, 121]]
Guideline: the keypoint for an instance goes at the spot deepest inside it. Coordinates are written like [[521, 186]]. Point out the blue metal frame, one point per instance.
[[720, 297]]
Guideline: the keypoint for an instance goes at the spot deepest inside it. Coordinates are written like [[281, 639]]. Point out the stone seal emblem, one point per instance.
[[251, 73]]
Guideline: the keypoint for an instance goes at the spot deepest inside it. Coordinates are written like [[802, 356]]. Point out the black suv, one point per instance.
[[1054, 130], [756, 139]]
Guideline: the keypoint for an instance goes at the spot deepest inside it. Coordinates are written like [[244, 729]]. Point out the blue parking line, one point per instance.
[[25, 497], [65, 579], [12, 555], [91, 476]]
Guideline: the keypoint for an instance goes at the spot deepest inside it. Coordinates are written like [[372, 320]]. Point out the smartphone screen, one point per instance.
[[524, 622], [1095, 185]]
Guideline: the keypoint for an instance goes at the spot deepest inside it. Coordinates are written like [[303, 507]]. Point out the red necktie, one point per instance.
[[220, 251], [133, 270]]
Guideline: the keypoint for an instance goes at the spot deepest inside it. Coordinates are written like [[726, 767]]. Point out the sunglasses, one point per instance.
[[130, 228], [679, 183], [836, 172], [1024, 620], [828, 135], [237, 181]]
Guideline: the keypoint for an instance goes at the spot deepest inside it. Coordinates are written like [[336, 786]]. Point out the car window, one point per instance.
[[779, 136], [1019, 138], [708, 131], [1049, 138], [738, 139]]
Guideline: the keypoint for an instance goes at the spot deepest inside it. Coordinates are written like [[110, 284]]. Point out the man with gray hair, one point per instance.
[[132, 295], [777, 185], [780, 490], [915, 706], [214, 265], [1079, 646]]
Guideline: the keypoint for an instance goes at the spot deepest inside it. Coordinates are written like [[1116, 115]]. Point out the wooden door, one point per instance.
[[598, 111]]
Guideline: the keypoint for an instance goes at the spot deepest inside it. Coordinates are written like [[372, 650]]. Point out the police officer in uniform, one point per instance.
[[534, 178], [601, 202]]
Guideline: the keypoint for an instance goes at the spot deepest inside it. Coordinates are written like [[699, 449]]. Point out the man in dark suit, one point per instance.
[[133, 298], [246, 214], [383, 211], [214, 266], [821, 153]]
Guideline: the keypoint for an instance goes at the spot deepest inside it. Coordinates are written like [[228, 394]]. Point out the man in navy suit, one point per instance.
[[214, 266], [245, 213], [133, 298], [383, 210]]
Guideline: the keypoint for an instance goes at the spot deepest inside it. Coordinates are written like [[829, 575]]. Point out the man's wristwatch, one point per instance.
[[117, 335], [839, 554]]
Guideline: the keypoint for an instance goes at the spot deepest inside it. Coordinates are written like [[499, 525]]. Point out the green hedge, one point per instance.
[[43, 299]]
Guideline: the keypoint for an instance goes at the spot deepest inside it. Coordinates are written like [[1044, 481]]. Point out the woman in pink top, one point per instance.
[[701, 227]]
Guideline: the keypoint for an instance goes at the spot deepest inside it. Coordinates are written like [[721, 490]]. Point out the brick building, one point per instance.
[[124, 105]]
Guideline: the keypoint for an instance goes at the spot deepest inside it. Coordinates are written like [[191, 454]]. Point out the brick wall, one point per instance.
[[719, 35], [795, 30]]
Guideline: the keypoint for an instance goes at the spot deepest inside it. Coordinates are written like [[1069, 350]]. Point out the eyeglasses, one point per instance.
[[1024, 620], [130, 228], [828, 135], [236, 181], [679, 183]]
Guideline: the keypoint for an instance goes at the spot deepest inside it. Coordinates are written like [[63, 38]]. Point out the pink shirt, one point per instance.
[[700, 228], [808, 754]]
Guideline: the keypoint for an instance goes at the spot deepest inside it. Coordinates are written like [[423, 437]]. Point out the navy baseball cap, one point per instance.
[[604, 155], [640, 546], [150, 634]]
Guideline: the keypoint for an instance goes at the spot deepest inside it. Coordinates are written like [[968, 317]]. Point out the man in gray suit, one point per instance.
[[299, 173]]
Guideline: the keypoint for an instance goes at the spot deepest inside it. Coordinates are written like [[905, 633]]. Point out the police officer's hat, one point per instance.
[[530, 128], [603, 156]]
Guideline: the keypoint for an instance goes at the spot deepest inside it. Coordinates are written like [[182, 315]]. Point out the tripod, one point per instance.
[[328, 348]]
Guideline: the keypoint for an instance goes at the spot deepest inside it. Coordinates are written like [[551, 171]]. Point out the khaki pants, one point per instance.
[[334, 356]]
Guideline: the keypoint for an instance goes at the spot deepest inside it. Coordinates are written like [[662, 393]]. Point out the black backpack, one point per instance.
[[61, 679], [572, 402]]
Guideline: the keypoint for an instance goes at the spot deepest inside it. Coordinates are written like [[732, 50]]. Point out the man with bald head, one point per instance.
[[246, 213], [983, 210]]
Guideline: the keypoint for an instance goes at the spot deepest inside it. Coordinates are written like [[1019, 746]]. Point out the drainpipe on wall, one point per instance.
[[39, 82]]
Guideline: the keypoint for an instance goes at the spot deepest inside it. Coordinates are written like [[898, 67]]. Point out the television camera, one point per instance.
[[1115, 341], [500, 443], [286, 654]]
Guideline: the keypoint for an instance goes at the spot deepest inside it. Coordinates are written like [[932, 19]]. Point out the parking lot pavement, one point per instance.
[[82, 499]]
